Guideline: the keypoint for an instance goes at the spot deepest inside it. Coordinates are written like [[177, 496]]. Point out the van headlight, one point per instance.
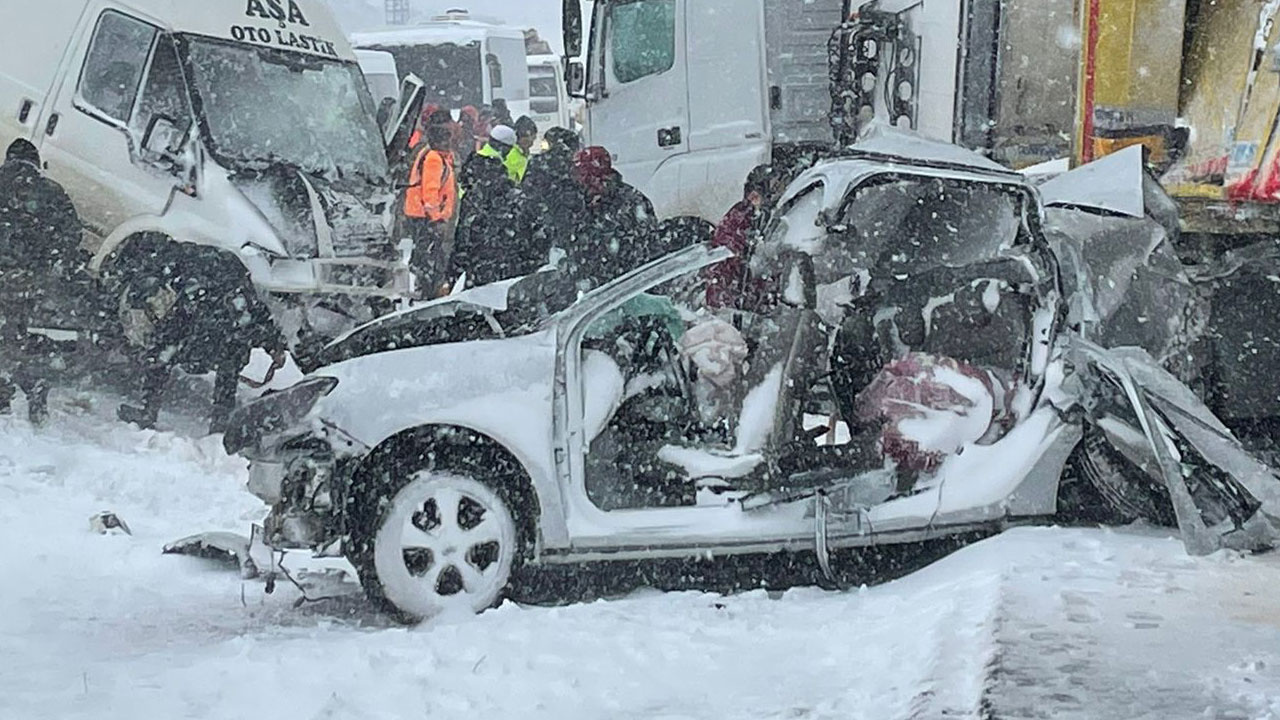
[[275, 413]]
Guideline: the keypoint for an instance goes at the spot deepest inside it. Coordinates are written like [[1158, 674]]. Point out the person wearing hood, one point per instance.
[[39, 255], [517, 159], [730, 284], [550, 203], [617, 219], [430, 206]]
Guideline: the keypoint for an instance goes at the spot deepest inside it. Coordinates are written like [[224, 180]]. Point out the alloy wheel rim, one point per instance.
[[449, 544]]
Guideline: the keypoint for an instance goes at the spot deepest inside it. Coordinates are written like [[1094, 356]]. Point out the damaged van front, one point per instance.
[[246, 127], [306, 178]]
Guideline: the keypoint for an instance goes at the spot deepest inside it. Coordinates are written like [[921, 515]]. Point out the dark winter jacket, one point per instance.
[[204, 313], [614, 234], [551, 204], [486, 223], [39, 229]]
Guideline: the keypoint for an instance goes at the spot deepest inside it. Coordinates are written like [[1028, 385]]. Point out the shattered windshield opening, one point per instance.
[[910, 225], [898, 225], [266, 107]]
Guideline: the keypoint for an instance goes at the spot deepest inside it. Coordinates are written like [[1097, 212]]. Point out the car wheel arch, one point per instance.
[[453, 447]]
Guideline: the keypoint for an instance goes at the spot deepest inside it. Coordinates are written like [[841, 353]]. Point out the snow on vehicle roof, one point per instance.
[[895, 150], [304, 26], [888, 141], [1112, 183], [458, 32]]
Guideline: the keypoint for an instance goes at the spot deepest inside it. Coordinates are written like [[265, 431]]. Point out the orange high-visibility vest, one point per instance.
[[433, 187]]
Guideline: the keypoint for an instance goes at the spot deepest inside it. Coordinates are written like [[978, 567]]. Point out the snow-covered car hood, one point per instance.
[[503, 309], [500, 387]]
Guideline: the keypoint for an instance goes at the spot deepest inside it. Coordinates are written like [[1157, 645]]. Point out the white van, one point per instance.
[[548, 100], [462, 60], [241, 125]]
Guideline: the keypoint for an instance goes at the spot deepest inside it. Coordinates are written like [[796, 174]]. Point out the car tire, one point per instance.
[[443, 541], [1132, 493]]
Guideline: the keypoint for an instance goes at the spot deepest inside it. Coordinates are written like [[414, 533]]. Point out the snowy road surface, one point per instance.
[[1035, 623]]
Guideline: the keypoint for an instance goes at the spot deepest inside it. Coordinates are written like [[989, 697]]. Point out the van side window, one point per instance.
[[163, 92], [113, 67]]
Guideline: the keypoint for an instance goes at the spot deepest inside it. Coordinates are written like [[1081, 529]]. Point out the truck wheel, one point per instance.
[[442, 541], [1133, 494]]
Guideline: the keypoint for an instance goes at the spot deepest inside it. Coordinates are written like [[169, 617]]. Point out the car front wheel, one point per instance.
[[445, 541]]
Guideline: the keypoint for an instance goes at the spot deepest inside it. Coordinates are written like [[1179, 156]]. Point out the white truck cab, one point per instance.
[[241, 125], [462, 60], [689, 95]]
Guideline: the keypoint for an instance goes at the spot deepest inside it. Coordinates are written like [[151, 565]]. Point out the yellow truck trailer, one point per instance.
[[1198, 83]]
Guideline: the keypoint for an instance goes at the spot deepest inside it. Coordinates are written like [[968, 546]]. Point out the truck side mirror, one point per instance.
[[575, 78], [571, 21]]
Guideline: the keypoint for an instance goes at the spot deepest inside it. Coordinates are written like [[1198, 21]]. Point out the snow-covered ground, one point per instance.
[[1035, 623]]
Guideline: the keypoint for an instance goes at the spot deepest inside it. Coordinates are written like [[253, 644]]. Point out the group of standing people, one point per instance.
[[479, 209], [489, 209]]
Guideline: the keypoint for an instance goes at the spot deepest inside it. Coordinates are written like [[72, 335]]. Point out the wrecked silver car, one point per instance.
[[915, 378]]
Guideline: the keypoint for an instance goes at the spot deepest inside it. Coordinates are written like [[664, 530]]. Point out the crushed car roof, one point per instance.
[[887, 143]]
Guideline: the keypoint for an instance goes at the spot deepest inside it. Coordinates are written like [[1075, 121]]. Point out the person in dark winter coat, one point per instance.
[[550, 205], [39, 255], [618, 221], [486, 214], [729, 284], [202, 315]]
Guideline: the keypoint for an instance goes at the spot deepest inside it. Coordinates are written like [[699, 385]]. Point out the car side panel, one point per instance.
[[499, 388]]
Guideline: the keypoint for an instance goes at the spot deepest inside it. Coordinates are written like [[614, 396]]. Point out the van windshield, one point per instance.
[[264, 107]]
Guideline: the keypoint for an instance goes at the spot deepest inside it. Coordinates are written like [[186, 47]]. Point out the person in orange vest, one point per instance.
[[430, 207]]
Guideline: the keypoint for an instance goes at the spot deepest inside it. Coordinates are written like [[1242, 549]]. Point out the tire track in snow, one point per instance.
[[1120, 631], [955, 679]]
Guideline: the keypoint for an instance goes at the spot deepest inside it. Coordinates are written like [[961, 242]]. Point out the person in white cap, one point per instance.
[[501, 140], [486, 216]]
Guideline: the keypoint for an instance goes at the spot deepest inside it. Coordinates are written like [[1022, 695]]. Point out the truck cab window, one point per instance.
[[114, 65], [163, 93], [642, 38]]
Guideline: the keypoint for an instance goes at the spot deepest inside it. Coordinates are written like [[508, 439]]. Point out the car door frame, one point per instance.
[[570, 446]]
